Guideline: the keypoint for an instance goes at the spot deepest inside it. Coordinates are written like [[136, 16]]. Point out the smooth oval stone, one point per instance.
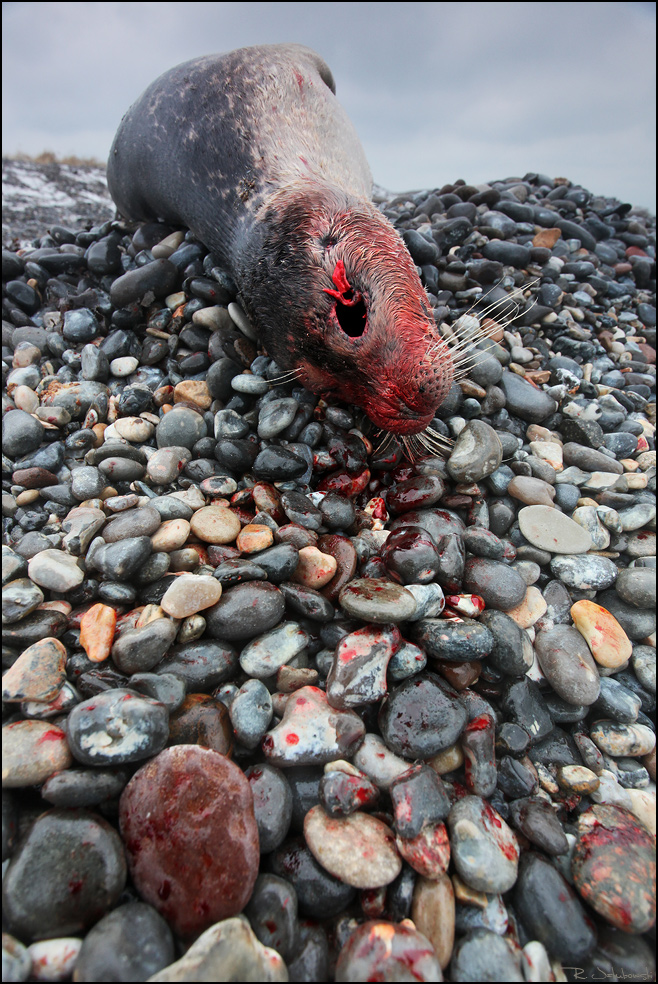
[[215, 524], [377, 600], [202, 664], [128, 944], [187, 821], [532, 491], [134, 522], [117, 726], [637, 586], [55, 570], [584, 572], [191, 593], [119, 561], [511, 652], [419, 718], [66, 874], [319, 894], [616, 739], [482, 955], [384, 951], [548, 529], [552, 911], [538, 822], [312, 732], [484, 849], [19, 598], [607, 641], [228, 951], [499, 585], [245, 611], [139, 650], [524, 399], [272, 912], [567, 664], [359, 849], [614, 867]]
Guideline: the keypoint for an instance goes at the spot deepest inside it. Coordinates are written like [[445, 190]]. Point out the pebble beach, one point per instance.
[[285, 699]]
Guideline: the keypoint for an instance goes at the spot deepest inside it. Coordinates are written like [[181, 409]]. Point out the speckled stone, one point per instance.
[[420, 718], [584, 572], [359, 849], [215, 524], [482, 955], [484, 849], [358, 672], [191, 593], [312, 732], [614, 867], [117, 726], [263, 656], [187, 822]]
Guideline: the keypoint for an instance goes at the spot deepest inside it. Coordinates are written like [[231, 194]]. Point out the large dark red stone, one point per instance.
[[187, 821]]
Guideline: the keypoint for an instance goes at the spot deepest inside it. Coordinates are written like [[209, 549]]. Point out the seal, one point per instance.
[[252, 152]]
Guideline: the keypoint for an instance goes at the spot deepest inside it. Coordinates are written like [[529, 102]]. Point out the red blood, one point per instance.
[[51, 736], [479, 723], [292, 739], [75, 885]]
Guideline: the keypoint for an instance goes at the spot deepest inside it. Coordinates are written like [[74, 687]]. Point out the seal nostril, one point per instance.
[[352, 318]]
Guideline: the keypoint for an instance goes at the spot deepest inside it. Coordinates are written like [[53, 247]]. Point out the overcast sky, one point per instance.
[[437, 91]]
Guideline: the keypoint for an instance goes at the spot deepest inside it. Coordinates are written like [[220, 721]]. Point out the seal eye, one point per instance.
[[329, 241], [351, 312]]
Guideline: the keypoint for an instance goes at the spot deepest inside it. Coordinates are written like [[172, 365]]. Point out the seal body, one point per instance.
[[252, 151]]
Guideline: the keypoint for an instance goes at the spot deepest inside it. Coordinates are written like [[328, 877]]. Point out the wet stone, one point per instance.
[[343, 792], [272, 804], [456, 641], [525, 400], [306, 602], [567, 664], [116, 727], [532, 491], [637, 586], [272, 914], [482, 955], [385, 951], [376, 600], [484, 849], [419, 798], [359, 849], [500, 586], [358, 672], [43, 895], [263, 656], [617, 701], [524, 705], [84, 787], [551, 910], [319, 894], [411, 556], [245, 611], [614, 738], [19, 598], [201, 720], [188, 824], [129, 944], [478, 746], [139, 650], [613, 867], [55, 570], [202, 665], [191, 593], [133, 522], [312, 732], [21, 433], [419, 718], [511, 652], [119, 561], [251, 712], [537, 821]]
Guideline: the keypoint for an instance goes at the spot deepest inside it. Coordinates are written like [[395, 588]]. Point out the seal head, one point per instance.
[[252, 151]]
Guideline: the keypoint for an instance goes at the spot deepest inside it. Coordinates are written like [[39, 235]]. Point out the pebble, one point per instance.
[[187, 820], [359, 849], [32, 751], [614, 867], [312, 732], [552, 911], [385, 951], [117, 726], [132, 942], [215, 524], [228, 950], [105, 475], [377, 600], [484, 849], [548, 529], [63, 900], [191, 593]]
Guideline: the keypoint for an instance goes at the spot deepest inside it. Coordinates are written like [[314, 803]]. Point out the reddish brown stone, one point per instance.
[[33, 478], [202, 720], [343, 551], [429, 852], [187, 822], [614, 867]]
